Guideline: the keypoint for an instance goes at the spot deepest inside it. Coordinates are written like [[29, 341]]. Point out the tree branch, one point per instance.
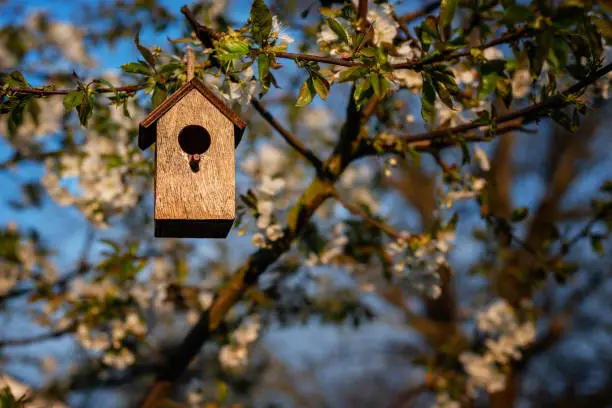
[[36, 339], [410, 17], [288, 136], [438, 139], [43, 91], [366, 217], [503, 39], [362, 10]]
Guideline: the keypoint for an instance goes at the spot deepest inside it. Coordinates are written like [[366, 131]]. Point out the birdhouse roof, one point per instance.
[[147, 132]]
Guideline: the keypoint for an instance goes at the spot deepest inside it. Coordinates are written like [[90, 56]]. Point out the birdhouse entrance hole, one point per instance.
[[194, 139]]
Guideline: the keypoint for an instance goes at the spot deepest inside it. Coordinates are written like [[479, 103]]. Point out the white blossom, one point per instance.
[[233, 356], [443, 400], [258, 240], [521, 83], [408, 78], [69, 40], [277, 31], [493, 53], [505, 340], [271, 186], [406, 50], [383, 24], [274, 232], [248, 331], [478, 184], [326, 35], [482, 159], [205, 299]]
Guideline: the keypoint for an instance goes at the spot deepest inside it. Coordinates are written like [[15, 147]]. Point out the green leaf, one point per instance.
[[518, 14], [414, 155], [375, 81], [519, 214], [447, 11], [360, 88], [263, 66], [330, 12], [114, 245], [352, 74], [339, 29], [136, 68], [230, 49], [159, 95], [17, 79], [604, 27], [73, 99], [85, 109], [597, 244], [16, 118], [306, 94], [321, 86], [102, 81], [428, 101], [606, 187], [222, 391], [170, 67], [113, 160], [488, 85], [146, 54], [261, 21]]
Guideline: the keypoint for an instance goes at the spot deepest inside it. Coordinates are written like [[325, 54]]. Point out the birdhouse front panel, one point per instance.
[[194, 198]]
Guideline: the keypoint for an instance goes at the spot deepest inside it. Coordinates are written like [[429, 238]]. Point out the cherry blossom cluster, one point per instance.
[[234, 356], [109, 173], [506, 336], [417, 259], [468, 185]]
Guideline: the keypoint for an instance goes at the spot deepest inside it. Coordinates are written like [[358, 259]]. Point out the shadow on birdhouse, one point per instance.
[[195, 187]]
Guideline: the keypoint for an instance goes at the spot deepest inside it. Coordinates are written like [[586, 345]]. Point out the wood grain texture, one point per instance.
[[181, 194]]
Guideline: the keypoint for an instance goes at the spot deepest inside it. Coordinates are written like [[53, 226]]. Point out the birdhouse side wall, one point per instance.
[[208, 194]]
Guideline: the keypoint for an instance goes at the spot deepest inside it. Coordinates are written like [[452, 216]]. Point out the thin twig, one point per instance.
[[288, 136], [366, 217], [410, 17], [503, 39], [190, 64], [363, 12], [36, 339]]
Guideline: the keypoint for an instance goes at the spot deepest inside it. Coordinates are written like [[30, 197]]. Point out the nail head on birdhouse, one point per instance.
[[195, 188]]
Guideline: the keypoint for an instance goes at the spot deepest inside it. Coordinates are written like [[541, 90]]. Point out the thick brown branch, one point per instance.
[[288, 136]]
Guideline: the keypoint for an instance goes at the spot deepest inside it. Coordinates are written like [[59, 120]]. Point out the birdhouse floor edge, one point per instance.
[[167, 228]]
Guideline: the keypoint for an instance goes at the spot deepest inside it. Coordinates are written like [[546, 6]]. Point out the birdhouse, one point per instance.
[[195, 187]]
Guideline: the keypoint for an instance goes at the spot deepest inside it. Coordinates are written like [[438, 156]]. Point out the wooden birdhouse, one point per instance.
[[195, 187]]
